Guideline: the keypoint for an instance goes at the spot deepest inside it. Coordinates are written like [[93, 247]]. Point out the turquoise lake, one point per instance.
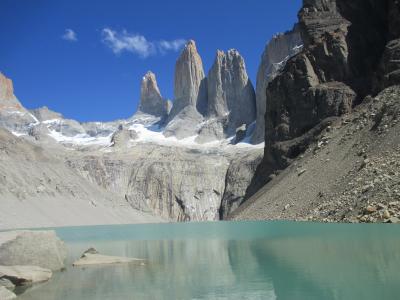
[[232, 260]]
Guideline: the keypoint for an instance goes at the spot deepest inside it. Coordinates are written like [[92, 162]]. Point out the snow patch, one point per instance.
[[80, 139]]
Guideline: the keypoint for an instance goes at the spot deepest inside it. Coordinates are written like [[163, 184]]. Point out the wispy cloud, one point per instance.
[[173, 45], [69, 35], [135, 43]]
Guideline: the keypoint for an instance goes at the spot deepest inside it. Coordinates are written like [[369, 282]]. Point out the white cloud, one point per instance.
[[70, 35], [135, 43], [173, 45]]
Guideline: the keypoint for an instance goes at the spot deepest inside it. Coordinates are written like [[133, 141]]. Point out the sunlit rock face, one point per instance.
[[13, 115], [189, 81], [190, 91], [6, 90], [177, 183], [230, 92]]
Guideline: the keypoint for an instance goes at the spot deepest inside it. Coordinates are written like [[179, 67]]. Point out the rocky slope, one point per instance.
[[350, 51], [38, 189]]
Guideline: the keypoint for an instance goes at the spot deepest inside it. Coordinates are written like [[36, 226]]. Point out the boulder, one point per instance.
[[37, 248], [92, 257], [6, 294], [25, 275], [4, 282]]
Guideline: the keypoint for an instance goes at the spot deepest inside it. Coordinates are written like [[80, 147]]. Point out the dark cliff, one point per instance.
[[351, 50]]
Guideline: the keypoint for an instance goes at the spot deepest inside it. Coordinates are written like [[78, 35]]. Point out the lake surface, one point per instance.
[[232, 260]]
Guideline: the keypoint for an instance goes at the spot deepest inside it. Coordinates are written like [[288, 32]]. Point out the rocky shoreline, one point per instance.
[[28, 258]]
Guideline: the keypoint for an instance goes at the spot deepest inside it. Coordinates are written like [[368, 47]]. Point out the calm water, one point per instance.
[[225, 260]]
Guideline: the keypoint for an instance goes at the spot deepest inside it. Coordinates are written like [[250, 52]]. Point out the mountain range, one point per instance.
[[323, 111]]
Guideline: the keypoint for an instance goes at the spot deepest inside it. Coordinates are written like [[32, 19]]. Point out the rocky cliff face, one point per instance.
[[190, 91], [151, 101], [13, 115], [277, 51], [126, 168], [7, 92], [189, 82], [343, 60], [210, 108], [230, 92], [176, 183], [45, 114]]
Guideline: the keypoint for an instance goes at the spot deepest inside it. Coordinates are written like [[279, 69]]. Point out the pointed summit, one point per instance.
[[7, 97], [189, 81], [230, 92], [151, 101], [6, 87]]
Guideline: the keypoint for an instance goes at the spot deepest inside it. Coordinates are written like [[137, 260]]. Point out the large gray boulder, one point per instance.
[[6, 294], [230, 92], [25, 275], [91, 257], [276, 53], [189, 83], [151, 101], [35, 248]]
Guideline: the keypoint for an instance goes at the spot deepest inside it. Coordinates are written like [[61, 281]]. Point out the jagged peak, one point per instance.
[[149, 75], [191, 44], [6, 87], [151, 101]]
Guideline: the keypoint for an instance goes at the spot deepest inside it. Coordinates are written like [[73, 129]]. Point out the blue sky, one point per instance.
[[85, 59]]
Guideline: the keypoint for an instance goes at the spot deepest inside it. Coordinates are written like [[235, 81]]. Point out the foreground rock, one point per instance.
[[25, 275], [37, 248], [6, 294], [4, 282], [92, 257]]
